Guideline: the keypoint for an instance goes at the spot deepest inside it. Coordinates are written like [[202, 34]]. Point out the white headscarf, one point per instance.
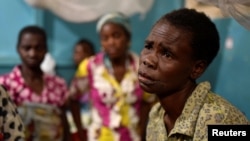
[[115, 17]]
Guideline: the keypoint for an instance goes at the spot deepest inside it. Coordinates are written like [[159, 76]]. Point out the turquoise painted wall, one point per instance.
[[229, 73]]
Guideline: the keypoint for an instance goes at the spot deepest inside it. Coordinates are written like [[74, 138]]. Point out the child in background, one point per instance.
[[83, 49]]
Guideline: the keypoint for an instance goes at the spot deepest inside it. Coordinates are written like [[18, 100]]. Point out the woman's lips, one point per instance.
[[145, 79]]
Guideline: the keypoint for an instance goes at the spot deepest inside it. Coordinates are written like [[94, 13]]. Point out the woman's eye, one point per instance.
[[40, 47], [104, 38], [166, 53], [148, 46], [25, 47]]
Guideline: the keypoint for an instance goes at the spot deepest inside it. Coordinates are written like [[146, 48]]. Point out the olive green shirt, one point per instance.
[[201, 109]]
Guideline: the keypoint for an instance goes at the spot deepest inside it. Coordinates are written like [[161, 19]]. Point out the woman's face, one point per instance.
[[166, 61], [32, 49], [114, 40]]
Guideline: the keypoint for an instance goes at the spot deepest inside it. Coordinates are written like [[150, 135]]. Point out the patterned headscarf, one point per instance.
[[117, 18]]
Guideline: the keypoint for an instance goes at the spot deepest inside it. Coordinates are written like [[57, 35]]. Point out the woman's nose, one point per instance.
[[111, 41], [150, 61], [32, 52]]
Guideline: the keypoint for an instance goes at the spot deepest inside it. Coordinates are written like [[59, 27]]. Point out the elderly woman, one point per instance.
[[111, 79], [178, 50]]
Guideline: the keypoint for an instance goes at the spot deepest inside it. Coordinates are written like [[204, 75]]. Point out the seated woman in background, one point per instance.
[[40, 97], [111, 79]]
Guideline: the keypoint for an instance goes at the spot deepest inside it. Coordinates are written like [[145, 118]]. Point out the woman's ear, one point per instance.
[[198, 69]]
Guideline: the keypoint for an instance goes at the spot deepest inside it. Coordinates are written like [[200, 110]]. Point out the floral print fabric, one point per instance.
[[201, 109], [54, 92], [114, 106], [40, 113]]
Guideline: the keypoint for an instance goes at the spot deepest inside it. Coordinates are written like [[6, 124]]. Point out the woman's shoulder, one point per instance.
[[223, 111], [12, 76]]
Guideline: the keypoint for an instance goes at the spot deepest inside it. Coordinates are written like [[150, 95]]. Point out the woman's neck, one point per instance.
[[33, 78], [117, 67], [173, 104], [119, 61], [31, 73]]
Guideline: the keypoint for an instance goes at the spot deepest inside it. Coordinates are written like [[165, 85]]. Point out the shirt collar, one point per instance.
[[186, 122]]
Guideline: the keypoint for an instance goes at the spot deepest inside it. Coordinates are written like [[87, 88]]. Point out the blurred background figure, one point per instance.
[[83, 49], [110, 77], [40, 97]]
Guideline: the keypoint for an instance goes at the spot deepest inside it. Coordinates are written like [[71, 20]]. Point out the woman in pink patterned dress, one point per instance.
[[111, 79], [40, 97]]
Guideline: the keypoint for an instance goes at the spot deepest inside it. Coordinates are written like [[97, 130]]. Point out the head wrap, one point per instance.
[[117, 18]]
